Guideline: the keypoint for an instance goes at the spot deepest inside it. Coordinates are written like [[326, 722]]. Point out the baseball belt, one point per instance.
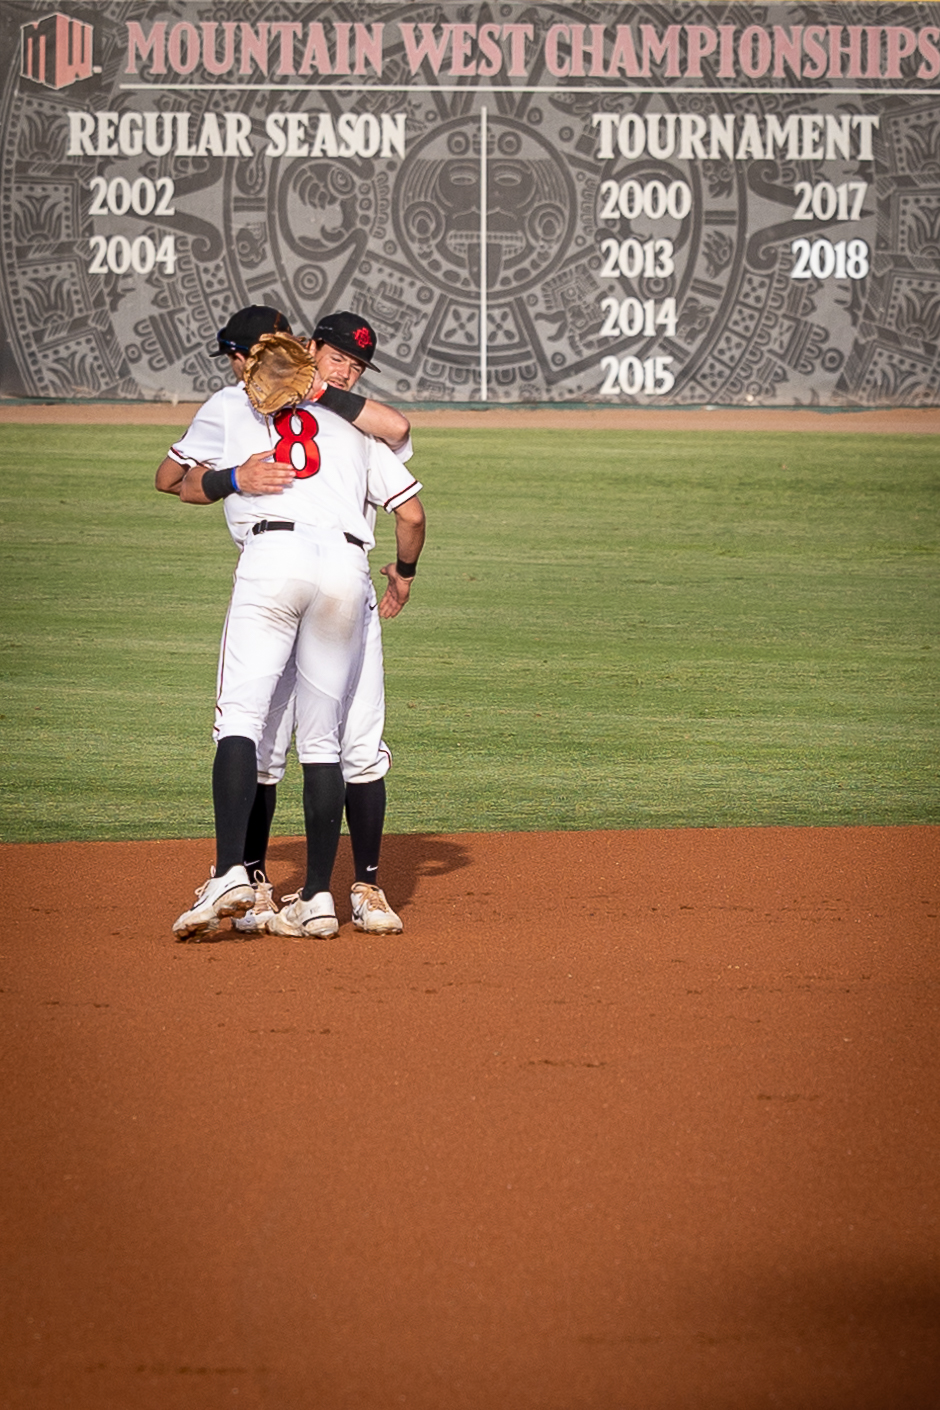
[[265, 526]]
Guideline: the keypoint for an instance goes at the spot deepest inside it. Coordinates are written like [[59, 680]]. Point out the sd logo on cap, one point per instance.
[[350, 334]]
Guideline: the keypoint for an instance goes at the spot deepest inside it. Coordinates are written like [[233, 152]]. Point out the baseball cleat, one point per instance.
[[371, 911], [255, 921], [306, 919], [228, 895]]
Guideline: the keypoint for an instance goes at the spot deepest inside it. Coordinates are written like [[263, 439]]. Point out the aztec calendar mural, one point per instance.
[[718, 204]]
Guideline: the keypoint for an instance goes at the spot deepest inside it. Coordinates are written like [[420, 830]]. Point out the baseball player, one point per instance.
[[366, 757], [226, 422]]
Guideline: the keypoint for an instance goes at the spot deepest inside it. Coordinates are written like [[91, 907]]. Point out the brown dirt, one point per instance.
[[886, 421], [624, 1121]]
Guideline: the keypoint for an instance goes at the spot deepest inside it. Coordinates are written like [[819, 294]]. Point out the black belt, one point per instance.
[[265, 526]]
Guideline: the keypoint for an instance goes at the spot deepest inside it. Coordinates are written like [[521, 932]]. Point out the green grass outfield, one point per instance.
[[608, 630]]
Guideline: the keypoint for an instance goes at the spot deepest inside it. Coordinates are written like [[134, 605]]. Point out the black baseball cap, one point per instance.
[[348, 333], [245, 327]]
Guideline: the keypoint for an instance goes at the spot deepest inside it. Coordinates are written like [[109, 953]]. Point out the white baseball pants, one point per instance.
[[304, 592], [364, 754]]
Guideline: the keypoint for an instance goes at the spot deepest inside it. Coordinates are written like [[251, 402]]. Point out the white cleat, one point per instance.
[[371, 911], [228, 895], [255, 921], [315, 918]]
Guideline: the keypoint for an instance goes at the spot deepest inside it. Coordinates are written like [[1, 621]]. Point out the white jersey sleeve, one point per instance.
[[390, 482], [406, 451], [204, 442], [225, 431]]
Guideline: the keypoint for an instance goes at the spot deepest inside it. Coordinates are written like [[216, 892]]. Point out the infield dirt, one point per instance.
[[623, 1120]]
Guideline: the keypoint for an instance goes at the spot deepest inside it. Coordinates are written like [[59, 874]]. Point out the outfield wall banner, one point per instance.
[[677, 204]]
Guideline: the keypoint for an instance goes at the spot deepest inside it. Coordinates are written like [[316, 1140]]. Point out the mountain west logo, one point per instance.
[[56, 51]]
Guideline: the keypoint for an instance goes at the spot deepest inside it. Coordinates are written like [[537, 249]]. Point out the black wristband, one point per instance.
[[345, 404], [216, 484], [406, 570]]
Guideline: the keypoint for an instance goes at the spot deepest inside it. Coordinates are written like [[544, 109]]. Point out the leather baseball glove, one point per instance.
[[279, 372]]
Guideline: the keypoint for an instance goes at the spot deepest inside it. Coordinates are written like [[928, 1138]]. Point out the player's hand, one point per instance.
[[318, 384], [397, 592], [260, 474]]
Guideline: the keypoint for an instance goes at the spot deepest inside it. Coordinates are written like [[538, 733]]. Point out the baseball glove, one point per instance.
[[279, 372]]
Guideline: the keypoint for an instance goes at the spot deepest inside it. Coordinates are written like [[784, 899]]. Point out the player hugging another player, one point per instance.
[[301, 649]]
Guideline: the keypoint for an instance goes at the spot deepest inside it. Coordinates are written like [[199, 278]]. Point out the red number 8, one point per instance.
[[296, 445]]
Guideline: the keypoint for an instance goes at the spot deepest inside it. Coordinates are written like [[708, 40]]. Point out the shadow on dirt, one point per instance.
[[405, 861]]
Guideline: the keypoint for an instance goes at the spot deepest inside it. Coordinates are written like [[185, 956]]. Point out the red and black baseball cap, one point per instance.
[[348, 333], [245, 327]]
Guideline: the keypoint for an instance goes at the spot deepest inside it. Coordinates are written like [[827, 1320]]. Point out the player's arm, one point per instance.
[[259, 474], [410, 529], [372, 418], [383, 422], [169, 476], [205, 434]]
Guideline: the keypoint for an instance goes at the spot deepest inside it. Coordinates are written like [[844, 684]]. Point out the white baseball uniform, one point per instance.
[[342, 476]]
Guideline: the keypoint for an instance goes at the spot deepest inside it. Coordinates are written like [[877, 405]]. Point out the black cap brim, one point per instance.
[[229, 348]]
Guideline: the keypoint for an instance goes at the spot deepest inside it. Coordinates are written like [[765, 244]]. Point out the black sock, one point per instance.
[[234, 784], [365, 814], [324, 793], [259, 829]]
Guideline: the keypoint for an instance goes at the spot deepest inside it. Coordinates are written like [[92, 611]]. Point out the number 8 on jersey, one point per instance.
[[296, 445]]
